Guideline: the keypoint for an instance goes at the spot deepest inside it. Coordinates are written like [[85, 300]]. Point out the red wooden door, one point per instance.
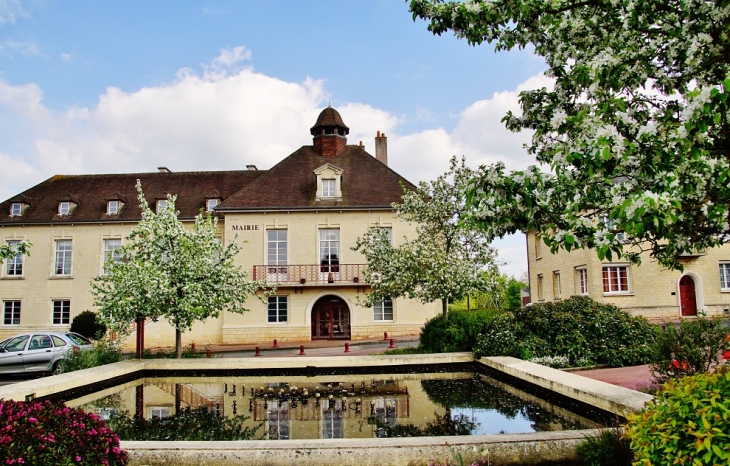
[[330, 319], [687, 297]]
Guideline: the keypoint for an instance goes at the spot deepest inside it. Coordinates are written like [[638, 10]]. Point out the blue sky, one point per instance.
[[126, 86]]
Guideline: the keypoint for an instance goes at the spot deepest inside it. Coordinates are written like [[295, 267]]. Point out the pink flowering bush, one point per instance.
[[45, 433]]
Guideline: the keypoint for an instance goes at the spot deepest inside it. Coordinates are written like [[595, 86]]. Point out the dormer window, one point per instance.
[[161, 205], [16, 209], [210, 204], [328, 188], [64, 208], [329, 182], [112, 207]]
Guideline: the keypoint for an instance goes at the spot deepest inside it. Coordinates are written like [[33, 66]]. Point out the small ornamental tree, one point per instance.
[[635, 135], [444, 261], [172, 272]]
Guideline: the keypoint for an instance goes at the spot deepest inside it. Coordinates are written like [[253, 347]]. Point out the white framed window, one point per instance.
[[725, 276], [64, 208], [540, 291], [383, 311], [14, 265], [11, 312], [329, 250], [582, 275], [62, 265], [16, 209], [210, 204], [615, 278], [276, 255], [557, 292], [159, 412], [279, 416], [161, 205], [278, 307], [61, 311], [111, 252], [112, 207], [611, 225], [328, 188]]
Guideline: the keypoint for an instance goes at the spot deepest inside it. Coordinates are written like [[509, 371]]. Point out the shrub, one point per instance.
[[686, 423], [198, 424], [88, 325], [610, 448], [188, 352], [558, 362], [104, 352], [693, 347], [578, 327], [457, 332], [40, 433]]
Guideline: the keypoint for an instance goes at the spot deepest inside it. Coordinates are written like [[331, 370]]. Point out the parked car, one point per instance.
[[39, 351]]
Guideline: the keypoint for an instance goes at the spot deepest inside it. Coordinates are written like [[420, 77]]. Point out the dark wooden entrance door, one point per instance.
[[330, 319], [687, 296]]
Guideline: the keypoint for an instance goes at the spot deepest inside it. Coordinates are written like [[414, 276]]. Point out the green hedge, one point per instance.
[[687, 423], [457, 332], [578, 328]]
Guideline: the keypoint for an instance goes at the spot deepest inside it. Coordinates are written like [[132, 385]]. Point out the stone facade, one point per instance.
[[646, 289]]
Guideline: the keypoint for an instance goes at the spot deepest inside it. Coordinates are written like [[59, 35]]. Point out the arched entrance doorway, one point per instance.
[[687, 296], [330, 319]]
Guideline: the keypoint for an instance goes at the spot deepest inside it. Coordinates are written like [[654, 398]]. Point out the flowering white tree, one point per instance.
[[444, 261], [171, 272], [636, 132], [8, 251]]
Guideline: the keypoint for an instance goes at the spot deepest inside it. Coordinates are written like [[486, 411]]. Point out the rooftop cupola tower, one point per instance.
[[329, 133]]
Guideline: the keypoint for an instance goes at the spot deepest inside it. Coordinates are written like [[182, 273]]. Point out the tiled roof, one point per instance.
[[91, 193], [292, 183]]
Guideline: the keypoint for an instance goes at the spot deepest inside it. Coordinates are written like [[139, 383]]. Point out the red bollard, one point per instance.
[[301, 351], [258, 351], [207, 353], [392, 344], [276, 344], [385, 336], [347, 347]]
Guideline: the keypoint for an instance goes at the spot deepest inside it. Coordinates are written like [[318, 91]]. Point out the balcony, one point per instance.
[[332, 274]]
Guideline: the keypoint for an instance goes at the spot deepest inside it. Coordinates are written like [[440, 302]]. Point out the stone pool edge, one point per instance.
[[531, 448]]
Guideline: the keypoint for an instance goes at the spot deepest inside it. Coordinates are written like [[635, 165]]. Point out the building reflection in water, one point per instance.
[[346, 407]]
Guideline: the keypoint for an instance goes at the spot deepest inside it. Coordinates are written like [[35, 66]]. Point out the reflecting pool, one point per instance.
[[323, 406]]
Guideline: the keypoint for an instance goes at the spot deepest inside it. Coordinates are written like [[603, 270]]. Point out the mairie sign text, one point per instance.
[[244, 227]]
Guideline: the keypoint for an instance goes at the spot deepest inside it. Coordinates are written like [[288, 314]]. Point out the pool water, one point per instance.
[[323, 407]]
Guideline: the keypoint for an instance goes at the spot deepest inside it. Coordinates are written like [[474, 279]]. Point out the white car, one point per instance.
[[38, 351]]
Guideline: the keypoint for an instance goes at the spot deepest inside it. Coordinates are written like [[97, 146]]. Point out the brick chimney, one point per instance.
[[381, 148], [329, 133]]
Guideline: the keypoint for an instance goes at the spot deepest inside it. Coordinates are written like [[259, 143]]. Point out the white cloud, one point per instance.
[[225, 117], [66, 57], [9, 47], [10, 10]]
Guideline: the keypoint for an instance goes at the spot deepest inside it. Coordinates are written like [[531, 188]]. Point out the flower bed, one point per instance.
[[40, 433]]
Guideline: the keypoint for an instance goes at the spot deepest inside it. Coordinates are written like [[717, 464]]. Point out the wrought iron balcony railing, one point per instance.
[[340, 274]]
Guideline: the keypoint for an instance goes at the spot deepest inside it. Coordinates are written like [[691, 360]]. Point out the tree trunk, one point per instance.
[[445, 307], [178, 343], [140, 338]]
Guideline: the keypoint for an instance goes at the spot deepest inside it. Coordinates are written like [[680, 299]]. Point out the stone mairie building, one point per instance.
[[298, 222]]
